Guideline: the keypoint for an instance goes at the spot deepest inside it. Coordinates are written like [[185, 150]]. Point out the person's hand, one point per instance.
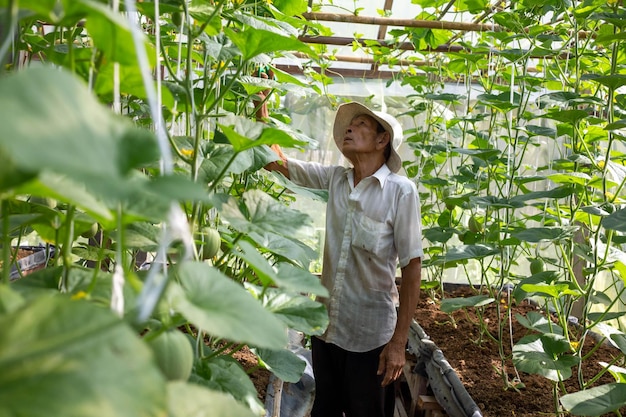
[[391, 362], [260, 104]]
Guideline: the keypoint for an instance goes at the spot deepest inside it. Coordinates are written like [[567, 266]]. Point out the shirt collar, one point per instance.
[[381, 175]]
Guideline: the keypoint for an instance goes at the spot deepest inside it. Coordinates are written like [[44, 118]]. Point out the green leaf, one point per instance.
[[613, 81], [291, 7], [252, 42], [465, 252], [291, 247], [10, 300], [579, 178], [299, 280], [298, 312], [615, 221], [223, 373], [244, 134], [131, 83], [543, 355], [559, 192], [261, 213], [259, 264], [537, 234], [449, 305], [438, 234], [67, 130], [566, 116], [55, 343], [541, 131], [187, 399], [493, 201], [536, 321], [112, 35], [285, 364], [221, 307], [556, 290], [616, 337], [319, 195], [595, 401]]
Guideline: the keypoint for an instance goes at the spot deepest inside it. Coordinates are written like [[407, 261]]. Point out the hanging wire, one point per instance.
[[176, 226], [117, 290]]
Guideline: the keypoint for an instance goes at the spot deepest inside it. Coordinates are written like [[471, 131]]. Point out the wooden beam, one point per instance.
[[405, 46], [343, 72], [365, 60], [413, 23]]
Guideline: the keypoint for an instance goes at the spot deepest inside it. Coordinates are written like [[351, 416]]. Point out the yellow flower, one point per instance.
[[80, 295], [574, 345], [187, 152]]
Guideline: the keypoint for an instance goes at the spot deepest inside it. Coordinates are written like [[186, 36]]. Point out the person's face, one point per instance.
[[362, 137]]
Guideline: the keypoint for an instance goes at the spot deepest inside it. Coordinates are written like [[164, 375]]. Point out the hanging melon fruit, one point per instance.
[[173, 354], [211, 241]]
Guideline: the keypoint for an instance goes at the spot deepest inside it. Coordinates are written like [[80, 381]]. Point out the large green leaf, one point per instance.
[[261, 213], [287, 247], [223, 373], [71, 358], [244, 134], [537, 234], [284, 363], [536, 321], [299, 312], [299, 280], [559, 192], [556, 290], [186, 399], [595, 401], [51, 122], [112, 35], [544, 355], [252, 42], [221, 307], [62, 12], [615, 221]]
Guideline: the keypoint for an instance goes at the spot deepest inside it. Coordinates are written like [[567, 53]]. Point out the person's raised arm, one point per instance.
[[262, 114]]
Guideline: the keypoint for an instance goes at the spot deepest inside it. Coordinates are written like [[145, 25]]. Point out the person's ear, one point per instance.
[[383, 139]]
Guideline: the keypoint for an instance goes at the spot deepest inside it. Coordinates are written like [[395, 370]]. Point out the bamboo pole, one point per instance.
[[413, 23], [404, 46]]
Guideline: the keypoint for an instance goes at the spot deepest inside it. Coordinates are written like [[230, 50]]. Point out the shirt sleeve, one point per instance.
[[310, 174], [408, 226]]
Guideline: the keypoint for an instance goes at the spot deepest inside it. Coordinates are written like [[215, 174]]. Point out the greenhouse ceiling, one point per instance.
[[379, 38]]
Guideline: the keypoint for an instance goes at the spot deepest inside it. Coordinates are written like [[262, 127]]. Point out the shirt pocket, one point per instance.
[[367, 235]]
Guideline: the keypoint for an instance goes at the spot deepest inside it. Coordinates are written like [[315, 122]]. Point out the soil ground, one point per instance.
[[477, 363], [480, 368]]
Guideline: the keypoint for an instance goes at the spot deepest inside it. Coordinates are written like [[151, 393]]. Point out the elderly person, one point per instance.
[[372, 227]]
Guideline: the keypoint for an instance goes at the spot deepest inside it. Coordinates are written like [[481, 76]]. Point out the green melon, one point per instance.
[[536, 266], [173, 354], [91, 232], [474, 225], [211, 241]]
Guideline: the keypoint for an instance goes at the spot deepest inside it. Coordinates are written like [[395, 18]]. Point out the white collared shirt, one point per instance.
[[371, 229]]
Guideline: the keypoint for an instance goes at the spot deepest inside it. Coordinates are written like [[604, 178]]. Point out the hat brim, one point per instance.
[[348, 111]]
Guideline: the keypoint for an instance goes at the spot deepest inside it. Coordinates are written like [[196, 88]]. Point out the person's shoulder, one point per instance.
[[401, 181]]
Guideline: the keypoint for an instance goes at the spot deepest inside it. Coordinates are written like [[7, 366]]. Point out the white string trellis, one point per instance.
[[176, 226]]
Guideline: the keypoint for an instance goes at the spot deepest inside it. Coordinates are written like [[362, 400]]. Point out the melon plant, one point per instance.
[[173, 354]]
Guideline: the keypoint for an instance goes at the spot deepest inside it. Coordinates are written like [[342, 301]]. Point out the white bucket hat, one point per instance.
[[348, 111]]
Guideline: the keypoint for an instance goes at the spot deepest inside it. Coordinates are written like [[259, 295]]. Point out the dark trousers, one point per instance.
[[346, 383]]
